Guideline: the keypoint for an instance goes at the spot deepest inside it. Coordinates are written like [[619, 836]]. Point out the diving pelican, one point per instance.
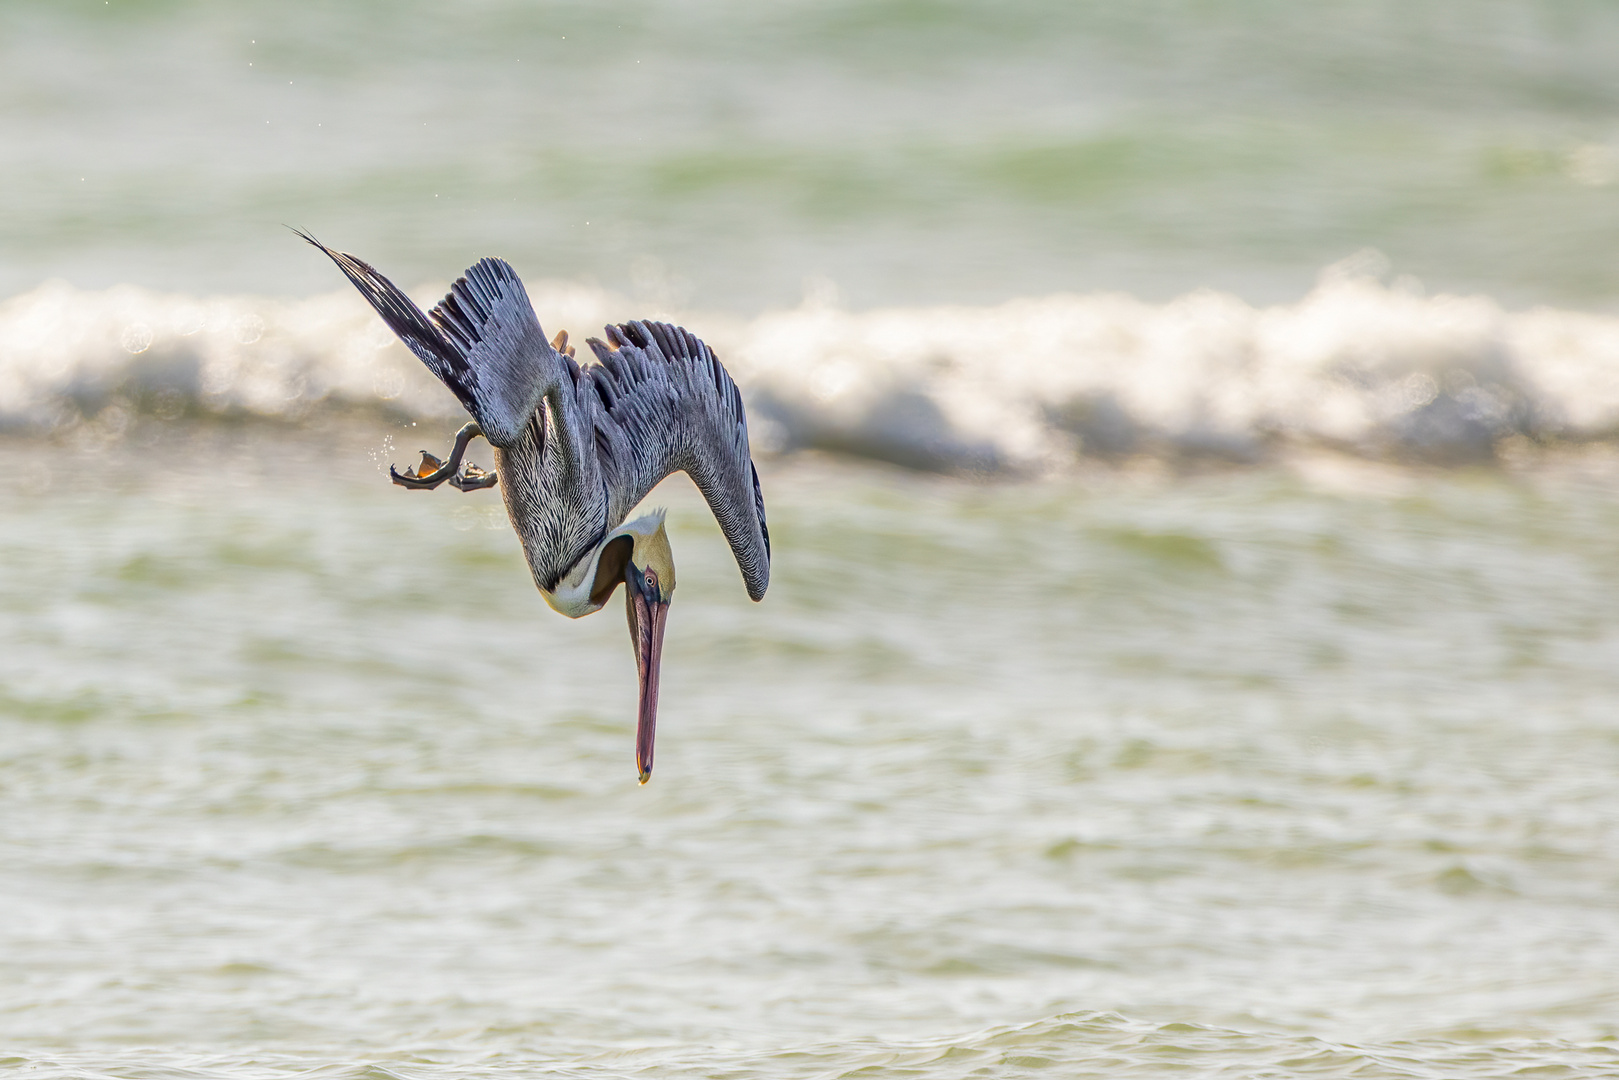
[[577, 446]]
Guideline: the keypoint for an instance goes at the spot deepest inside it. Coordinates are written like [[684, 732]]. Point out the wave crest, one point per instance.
[[1357, 365], [1360, 365]]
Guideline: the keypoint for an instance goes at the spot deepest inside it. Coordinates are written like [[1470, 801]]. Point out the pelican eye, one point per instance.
[[652, 579]]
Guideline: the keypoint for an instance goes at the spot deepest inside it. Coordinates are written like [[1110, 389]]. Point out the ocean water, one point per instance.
[[1190, 434], [716, 154], [1261, 773]]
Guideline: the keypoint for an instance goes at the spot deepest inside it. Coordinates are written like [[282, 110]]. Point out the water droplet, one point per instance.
[[387, 383], [248, 329], [136, 338]]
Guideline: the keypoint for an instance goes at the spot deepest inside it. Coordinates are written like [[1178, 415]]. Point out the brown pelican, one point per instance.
[[577, 446]]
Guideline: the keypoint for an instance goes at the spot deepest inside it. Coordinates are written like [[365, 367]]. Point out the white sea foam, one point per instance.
[[1359, 364]]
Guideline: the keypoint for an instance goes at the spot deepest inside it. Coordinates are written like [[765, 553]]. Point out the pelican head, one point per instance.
[[636, 555]]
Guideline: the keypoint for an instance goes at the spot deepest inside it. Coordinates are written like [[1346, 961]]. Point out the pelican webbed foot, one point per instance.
[[472, 478], [432, 472]]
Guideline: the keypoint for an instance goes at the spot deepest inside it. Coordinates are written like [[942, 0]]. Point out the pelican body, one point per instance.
[[577, 446]]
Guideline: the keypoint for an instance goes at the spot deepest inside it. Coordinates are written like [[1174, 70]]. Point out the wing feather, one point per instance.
[[669, 405], [658, 398], [483, 340]]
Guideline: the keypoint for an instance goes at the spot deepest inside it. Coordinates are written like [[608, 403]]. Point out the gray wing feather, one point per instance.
[[668, 405], [483, 340]]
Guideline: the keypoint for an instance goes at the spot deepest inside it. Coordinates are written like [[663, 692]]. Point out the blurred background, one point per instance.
[[1190, 432], [910, 151]]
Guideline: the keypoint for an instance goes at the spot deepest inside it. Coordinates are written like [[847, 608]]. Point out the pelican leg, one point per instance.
[[432, 472]]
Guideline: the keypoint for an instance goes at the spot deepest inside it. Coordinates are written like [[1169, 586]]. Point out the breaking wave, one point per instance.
[[1360, 365]]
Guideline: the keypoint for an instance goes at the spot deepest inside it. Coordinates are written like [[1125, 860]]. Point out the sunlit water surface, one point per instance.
[[1284, 772]]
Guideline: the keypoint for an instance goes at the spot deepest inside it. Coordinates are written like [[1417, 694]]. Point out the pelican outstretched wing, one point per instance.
[[667, 405], [482, 340]]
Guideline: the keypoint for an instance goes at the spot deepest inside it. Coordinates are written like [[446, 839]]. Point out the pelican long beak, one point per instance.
[[646, 611]]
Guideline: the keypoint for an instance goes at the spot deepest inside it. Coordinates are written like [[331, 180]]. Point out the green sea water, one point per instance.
[[1280, 772], [1188, 437], [909, 151]]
